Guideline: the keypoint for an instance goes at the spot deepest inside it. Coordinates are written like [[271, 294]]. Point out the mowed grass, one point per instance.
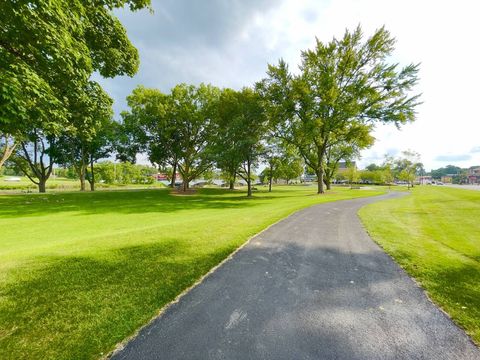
[[61, 184], [80, 272], [24, 184], [434, 234]]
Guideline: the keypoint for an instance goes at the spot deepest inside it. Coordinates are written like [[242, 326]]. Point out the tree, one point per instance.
[[7, 147], [174, 129], [192, 110], [341, 85], [282, 162], [49, 49], [89, 137], [228, 129], [272, 156], [291, 167], [35, 157], [352, 175], [150, 127], [447, 170], [100, 147], [347, 149], [252, 122], [373, 167], [408, 167]]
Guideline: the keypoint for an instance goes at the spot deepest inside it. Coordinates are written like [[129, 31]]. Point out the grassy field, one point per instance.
[[61, 184], [27, 186], [80, 272], [434, 234]]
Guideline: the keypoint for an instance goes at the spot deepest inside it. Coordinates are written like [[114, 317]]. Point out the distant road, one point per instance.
[[466, 187]]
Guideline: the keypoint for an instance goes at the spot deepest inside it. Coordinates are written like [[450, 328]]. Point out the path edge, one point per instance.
[[122, 344], [416, 282]]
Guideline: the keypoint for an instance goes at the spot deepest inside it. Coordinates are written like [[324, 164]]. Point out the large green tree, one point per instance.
[[89, 137], [192, 111], [48, 50], [408, 167], [150, 127], [248, 132], [340, 85], [239, 127], [174, 129]]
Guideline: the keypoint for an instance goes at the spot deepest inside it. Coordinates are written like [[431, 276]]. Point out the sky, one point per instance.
[[229, 43]]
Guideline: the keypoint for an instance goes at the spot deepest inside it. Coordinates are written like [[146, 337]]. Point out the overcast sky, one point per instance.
[[230, 42]]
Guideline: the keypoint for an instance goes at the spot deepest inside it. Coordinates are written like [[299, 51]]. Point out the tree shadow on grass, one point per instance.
[[76, 307]]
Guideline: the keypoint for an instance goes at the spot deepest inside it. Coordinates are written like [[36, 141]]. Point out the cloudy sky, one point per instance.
[[230, 42]]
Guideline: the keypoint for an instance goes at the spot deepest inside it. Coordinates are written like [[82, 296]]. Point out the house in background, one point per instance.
[[474, 175], [447, 179], [424, 180]]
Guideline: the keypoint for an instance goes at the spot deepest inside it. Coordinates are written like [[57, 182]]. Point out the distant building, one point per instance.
[[424, 180], [164, 177], [473, 175], [343, 166], [447, 179]]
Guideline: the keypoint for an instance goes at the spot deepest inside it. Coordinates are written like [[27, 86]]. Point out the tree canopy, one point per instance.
[[342, 85], [48, 51]]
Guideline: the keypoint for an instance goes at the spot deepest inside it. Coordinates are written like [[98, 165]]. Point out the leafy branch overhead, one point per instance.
[[48, 51]]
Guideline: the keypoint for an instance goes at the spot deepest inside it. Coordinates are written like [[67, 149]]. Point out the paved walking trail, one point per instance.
[[313, 286]]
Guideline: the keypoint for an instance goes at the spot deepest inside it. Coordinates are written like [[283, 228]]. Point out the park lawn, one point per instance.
[[26, 185], [80, 272], [62, 184], [434, 234]]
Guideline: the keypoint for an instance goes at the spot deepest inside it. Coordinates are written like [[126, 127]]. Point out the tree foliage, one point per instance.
[[342, 85], [173, 129], [90, 136], [48, 51]]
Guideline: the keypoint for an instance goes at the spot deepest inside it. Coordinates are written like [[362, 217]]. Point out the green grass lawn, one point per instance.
[[434, 234], [26, 185], [79, 272], [61, 184]]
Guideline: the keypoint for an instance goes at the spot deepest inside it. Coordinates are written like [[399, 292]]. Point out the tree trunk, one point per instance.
[[82, 169], [42, 185], [92, 177], [174, 175], [185, 185], [270, 184], [82, 182], [249, 181], [320, 189], [327, 182], [232, 185], [82, 175], [7, 151]]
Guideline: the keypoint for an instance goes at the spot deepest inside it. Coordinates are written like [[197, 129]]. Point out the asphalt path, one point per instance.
[[313, 286]]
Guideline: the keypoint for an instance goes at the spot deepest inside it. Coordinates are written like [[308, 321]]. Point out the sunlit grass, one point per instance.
[[434, 234], [79, 272]]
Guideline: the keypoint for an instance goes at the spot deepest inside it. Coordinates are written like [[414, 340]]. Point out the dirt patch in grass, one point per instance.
[[180, 192]]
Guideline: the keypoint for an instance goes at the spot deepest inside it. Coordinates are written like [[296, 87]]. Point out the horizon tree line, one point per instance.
[[314, 118]]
